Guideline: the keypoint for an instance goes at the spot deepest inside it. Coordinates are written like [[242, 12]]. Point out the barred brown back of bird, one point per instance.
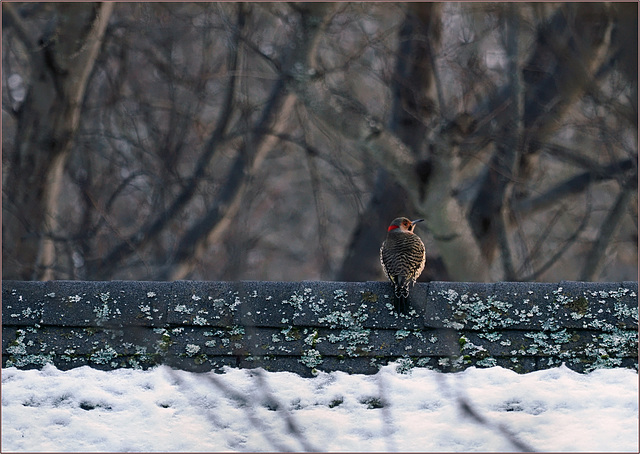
[[403, 258]]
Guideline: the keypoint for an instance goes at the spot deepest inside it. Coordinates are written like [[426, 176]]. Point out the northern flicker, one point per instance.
[[403, 257]]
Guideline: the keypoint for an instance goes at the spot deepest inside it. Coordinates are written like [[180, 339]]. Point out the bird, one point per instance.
[[403, 257]]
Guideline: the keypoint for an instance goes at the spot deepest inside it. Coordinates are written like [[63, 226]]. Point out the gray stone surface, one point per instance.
[[308, 326]]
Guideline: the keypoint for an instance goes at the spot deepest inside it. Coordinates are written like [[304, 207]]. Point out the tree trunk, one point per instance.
[[569, 51], [61, 63], [431, 193], [415, 103]]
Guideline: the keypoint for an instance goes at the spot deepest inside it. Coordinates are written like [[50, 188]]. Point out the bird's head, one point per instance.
[[403, 224]]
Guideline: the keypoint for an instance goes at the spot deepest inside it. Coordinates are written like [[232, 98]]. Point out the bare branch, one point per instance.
[[14, 20], [273, 117], [609, 227], [560, 251], [572, 186], [155, 227]]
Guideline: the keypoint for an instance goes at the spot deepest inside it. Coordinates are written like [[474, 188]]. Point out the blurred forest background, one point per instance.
[[276, 141]]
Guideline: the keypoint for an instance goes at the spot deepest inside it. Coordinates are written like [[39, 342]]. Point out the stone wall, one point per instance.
[[306, 326]]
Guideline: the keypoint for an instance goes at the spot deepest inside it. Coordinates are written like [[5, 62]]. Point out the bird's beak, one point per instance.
[[416, 221]]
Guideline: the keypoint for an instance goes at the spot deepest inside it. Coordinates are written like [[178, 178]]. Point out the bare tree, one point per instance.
[[415, 104], [525, 111], [61, 59], [276, 141]]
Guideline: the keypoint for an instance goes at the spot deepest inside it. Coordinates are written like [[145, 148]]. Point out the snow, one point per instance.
[[162, 409]]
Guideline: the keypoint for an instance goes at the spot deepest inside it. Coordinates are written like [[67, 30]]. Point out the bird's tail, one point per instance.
[[401, 290], [401, 303]]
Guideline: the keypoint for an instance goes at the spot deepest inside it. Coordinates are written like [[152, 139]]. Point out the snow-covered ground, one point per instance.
[[240, 410]]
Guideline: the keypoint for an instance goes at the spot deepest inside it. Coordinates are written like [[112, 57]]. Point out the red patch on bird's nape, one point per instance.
[[392, 227]]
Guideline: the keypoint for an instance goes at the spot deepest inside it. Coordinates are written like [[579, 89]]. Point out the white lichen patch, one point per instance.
[[491, 337], [201, 321], [18, 347], [311, 358], [299, 301], [103, 312], [473, 312], [146, 310], [312, 338], [404, 365], [290, 333], [621, 311], [295, 300], [104, 355], [471, 349], [192, 349], [236, 330], [183, 309], [487, 362]]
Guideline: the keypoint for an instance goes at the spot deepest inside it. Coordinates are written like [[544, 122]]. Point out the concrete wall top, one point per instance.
[[350, 322]]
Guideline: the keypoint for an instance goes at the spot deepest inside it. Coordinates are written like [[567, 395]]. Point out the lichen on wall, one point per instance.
[[309, 326]]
